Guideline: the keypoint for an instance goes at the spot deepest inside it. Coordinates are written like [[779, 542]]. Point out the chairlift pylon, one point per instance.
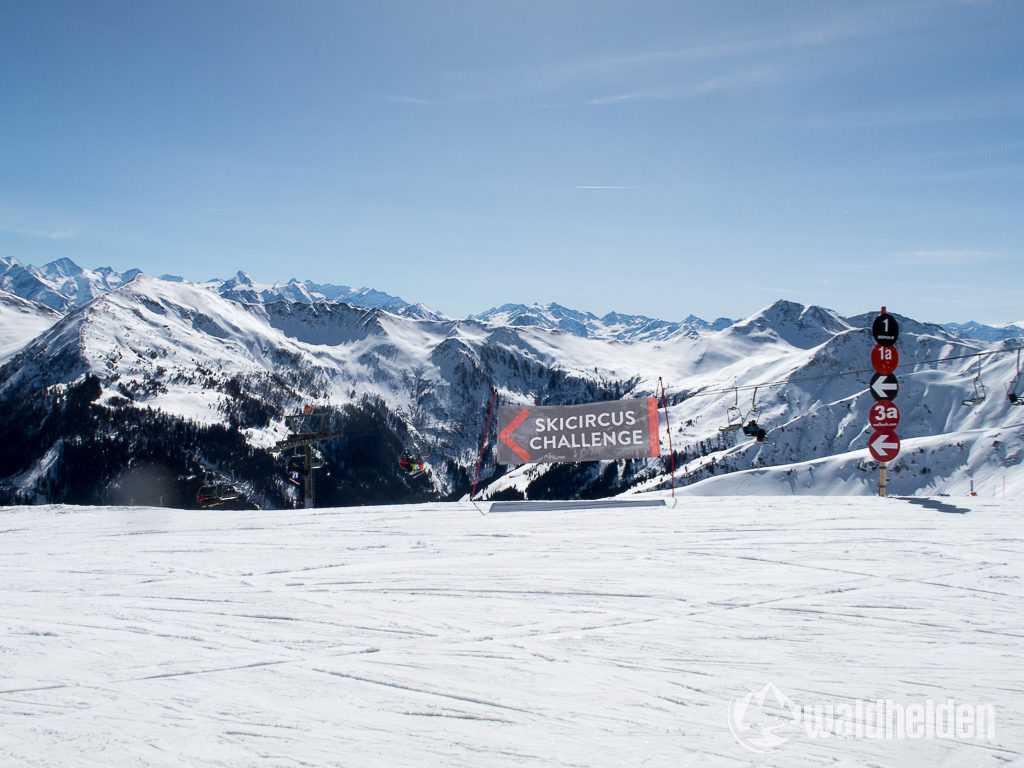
[[306, 431]]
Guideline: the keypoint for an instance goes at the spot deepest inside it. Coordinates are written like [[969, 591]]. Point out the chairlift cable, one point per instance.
[[860, 372]]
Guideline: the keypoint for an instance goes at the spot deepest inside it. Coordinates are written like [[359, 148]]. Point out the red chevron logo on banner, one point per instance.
[[506, 435]]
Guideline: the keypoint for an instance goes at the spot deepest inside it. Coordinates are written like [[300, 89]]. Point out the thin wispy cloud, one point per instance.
[[38, 224], [463, 89], [633, 96], [745, 59], [808, 34], [947, 257], [668, 73], [414, 100], [728, 49], [752, 78]]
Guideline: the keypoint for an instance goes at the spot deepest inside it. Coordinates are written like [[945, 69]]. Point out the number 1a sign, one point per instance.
[[885, 360]]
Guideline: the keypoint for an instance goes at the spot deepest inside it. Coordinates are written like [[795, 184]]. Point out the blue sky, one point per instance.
[[658, 158]]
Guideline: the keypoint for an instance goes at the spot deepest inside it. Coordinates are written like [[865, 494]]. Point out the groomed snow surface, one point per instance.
[[455, 636]]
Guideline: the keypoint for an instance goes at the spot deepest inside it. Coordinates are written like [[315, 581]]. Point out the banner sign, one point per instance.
[[615, 429]]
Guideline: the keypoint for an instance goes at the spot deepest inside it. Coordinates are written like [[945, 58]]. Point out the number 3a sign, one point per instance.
[[884, 415], [885, 359]]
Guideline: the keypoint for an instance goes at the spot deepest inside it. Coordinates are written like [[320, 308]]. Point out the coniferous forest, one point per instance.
[[87, 453]]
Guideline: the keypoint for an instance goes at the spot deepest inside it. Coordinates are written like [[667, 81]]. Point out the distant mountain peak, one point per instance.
[[64, 267], [613, 325], [800, 325], [240, 278], [985, 332]]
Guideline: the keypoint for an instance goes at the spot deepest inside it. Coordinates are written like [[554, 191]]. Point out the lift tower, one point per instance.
[[304, 434]]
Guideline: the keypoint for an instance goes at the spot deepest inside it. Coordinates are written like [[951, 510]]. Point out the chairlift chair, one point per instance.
[[1013, 393], [215, 494], [413, 462], [316, 459], [754, 430], [754, 413], [979, 389], [750, 426], [733, 416]]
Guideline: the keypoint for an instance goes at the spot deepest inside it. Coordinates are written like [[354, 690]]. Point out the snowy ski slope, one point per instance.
[[20, 322], [449, 635]]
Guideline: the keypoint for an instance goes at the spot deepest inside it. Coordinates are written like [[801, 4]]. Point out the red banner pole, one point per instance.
[[483, 444], [668, 428]]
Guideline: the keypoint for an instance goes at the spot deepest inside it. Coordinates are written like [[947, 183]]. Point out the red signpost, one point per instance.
[[884, 416]]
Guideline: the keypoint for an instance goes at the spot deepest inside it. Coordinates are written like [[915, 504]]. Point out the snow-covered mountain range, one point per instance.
[[238, 356], [63, 285], [613, 325], [973, 330]]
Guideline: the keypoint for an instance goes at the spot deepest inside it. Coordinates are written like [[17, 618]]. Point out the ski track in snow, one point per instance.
[[433, 635]]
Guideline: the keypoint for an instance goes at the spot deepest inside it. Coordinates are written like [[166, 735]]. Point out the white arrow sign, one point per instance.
[[884, 445], [884, 387]]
